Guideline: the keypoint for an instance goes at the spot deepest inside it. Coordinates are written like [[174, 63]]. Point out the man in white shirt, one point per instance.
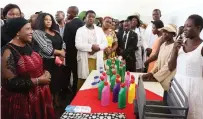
[[90, 42]]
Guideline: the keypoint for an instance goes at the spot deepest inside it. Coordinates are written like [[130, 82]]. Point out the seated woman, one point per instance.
[[111, 38], [25, 90], [160, 71]]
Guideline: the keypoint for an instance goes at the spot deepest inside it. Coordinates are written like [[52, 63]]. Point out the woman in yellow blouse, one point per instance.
[[111, 38]]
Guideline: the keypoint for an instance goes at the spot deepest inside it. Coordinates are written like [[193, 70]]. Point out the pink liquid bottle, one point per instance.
[[105, 99], [127, 79]]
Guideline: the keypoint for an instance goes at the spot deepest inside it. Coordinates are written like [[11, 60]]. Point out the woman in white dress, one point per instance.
[[187, 58]]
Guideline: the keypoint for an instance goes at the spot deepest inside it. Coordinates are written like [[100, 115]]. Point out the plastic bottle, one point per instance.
[[122, 97], [132, 77], [131, 92], [108, 62], [105, 76], [116, 90], [105, 98], [118, 77], [117, 62], [113, 80], [100, 87], [121, 72], [127, 79]]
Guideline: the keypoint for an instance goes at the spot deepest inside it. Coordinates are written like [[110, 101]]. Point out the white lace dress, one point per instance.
[[190, 76]]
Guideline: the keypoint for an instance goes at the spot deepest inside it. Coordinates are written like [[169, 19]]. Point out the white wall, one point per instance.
[[173, 11]]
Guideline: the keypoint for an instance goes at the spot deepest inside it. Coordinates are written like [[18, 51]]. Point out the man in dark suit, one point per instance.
[[127, 45], [71, 51]]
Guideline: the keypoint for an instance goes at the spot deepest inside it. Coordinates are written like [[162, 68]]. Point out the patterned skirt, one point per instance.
[[37, 104]]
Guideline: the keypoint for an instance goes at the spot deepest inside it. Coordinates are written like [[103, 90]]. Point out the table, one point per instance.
[[87, 96]]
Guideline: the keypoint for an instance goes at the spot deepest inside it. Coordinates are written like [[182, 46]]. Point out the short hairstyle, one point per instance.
[[157, 10], [9, 7], [158, 24], [76, 8], [197, 19], [90, 11], [136, 17], [39, 24], [61, 12]]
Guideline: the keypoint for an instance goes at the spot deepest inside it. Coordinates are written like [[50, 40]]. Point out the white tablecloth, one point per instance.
[[154, 87]]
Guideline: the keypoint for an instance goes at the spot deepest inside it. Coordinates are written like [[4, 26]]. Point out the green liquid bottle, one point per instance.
[[122, 97], [113, 80], [117, 62], [100, 87]]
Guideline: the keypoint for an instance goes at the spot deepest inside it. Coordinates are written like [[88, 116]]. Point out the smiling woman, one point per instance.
[[25, 91]]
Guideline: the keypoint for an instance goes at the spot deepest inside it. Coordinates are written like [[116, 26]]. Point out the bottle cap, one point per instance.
[[104, 73], [105, 83], [132, 81], [114, 72], [132, 77], [118, 76], [102, 78], [128, 73], [117, 80], [122, 85]]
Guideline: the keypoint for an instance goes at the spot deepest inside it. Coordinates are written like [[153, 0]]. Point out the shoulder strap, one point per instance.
[[14, 49]]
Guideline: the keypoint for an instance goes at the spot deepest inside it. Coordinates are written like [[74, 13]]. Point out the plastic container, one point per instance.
[[132, 78], [118, 77], [113, 80], [105, 98], [122, 97], [117, 63], [127, 79], [100, 87], [116, 90], [105, 76], [131, 92]]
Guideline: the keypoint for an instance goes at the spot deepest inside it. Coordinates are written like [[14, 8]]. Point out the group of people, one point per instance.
[[39, 56]]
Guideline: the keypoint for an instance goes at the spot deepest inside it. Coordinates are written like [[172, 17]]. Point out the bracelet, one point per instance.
[[37, 80]]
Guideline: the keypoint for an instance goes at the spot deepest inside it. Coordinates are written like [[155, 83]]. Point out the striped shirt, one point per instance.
[[45, 44]]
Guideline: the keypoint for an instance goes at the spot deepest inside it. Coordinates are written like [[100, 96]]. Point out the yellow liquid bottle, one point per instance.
[[131, 92]]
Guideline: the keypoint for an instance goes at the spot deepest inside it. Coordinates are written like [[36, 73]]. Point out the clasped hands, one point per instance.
[[95, 48]]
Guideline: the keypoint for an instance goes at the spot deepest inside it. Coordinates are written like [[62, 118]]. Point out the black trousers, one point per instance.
[[71, 67], [56, 74]]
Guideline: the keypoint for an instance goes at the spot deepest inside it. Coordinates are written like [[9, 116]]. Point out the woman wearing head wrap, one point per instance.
[[25, 91], [10, 11]]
